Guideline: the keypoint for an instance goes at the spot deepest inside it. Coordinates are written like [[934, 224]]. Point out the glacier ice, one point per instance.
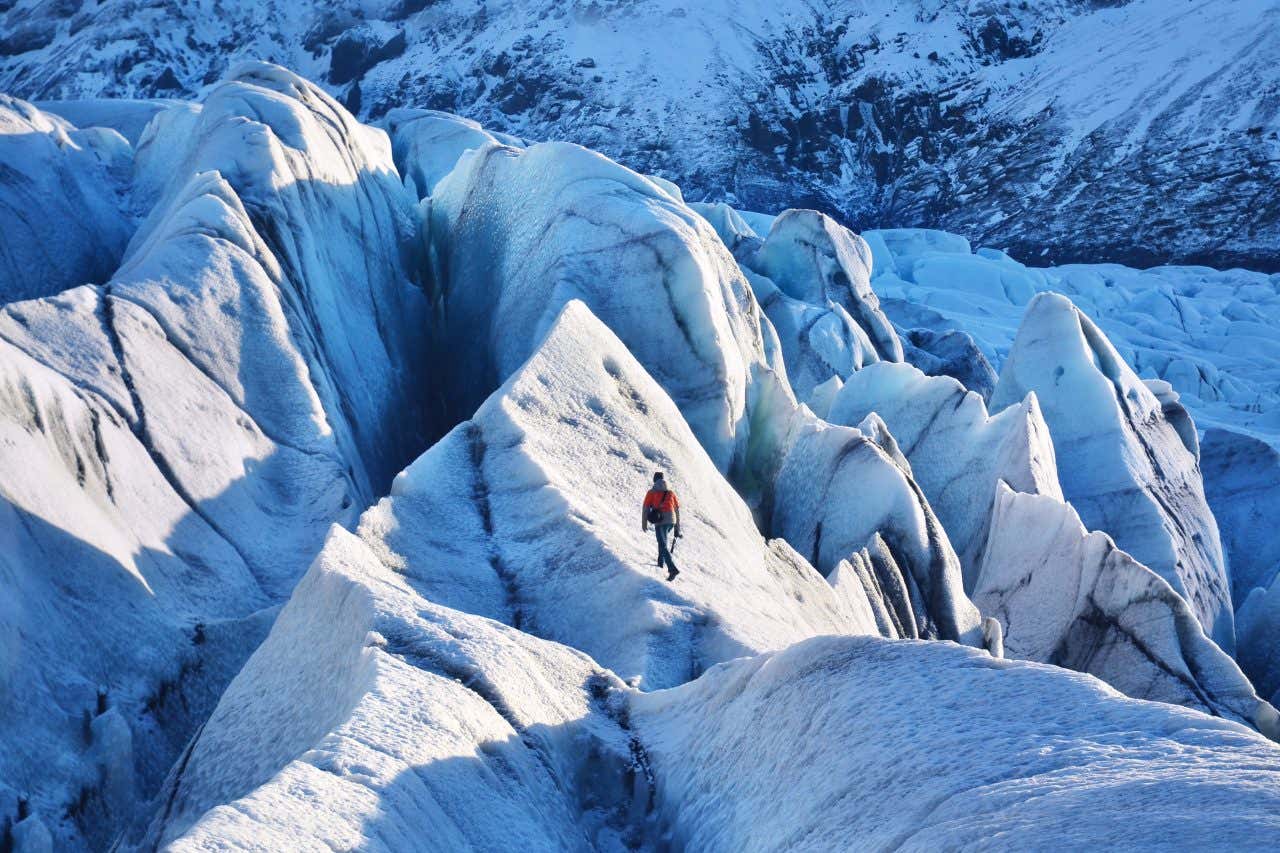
[[371, 713], [958, 454], [837, 492], [63, 210], [426, 144], [1202, 330], [1122, 464], [818, 342], [908, 745], [180, 438], [514, 234], [307, 303], [1259, 638], [541, 489], [1242, 484], [812, 258], [1072, 598]]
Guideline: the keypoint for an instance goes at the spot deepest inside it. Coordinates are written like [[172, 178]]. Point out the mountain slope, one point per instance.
[[1005, 120]]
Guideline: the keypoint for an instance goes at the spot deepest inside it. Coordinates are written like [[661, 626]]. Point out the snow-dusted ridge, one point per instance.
[[482, 651]]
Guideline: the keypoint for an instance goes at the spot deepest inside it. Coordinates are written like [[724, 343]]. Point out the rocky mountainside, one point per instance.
[[1011, 122]]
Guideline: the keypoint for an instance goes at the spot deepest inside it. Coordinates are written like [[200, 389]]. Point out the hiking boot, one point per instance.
[[672, 575]]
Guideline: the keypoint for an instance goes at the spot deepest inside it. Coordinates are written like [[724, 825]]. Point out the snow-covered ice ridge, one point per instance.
[[320, 509]]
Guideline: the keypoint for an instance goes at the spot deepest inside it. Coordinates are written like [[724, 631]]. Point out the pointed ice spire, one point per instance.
[[1122, 464]]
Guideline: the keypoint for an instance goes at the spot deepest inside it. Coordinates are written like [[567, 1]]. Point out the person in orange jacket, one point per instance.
[[661, 508]]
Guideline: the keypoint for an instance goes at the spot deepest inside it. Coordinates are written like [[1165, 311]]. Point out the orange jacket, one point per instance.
[[658, 499]]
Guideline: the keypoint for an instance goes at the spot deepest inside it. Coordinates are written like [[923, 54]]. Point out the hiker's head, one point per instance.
[[658, 481], [657, 476]]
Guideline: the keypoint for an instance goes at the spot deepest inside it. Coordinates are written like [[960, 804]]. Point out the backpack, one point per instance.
[[654, 514]]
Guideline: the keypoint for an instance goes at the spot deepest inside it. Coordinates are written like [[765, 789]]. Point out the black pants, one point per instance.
[[663, 532]]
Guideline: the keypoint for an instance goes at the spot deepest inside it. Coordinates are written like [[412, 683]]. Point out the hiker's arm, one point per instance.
[[677, 516], [644, 518]]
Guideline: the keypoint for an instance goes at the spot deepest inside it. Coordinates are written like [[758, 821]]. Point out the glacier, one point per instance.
[[319, 501]]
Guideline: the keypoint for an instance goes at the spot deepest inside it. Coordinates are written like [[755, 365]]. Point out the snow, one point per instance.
[[1122, 464], [958, 454], [515, 234], [542, 491], [925, 746], [371, 716], [1071, 598], [62, 202]]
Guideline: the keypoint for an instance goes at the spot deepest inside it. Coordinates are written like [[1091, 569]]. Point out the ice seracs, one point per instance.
[[63, 205], [181, 437], [958, 453], [823, 268], [539, 494], [426, 144], [337, 235], [836, 492], [515, 234], [1122, 464], [1071, 598]]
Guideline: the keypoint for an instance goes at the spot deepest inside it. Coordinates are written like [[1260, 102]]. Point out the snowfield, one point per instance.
[[322, 447]]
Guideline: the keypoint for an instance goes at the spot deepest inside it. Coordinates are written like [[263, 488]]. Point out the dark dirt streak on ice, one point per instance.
[[179, 769], [192, 360], [139, 427], [1103, 622], [480, 497]]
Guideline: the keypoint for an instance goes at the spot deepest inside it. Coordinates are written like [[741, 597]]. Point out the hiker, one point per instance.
[[662, 509]]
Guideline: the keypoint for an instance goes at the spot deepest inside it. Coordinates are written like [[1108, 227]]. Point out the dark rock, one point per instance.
[[359, 49], [167, 81], [32, 35]]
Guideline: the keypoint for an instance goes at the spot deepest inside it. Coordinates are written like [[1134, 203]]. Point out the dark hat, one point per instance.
[[657, 476]]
